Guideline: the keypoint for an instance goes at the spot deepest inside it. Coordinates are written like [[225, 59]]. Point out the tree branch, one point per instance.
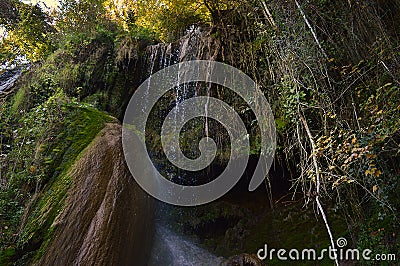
[[268, 15], [315, 162], [311, 29]]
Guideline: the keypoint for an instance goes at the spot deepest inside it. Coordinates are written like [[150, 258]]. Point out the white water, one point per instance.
[[11, 71], [8, 78], [171, 249]]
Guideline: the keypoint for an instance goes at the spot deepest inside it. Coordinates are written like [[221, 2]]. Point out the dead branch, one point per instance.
[[318, 181], [268, 15], [311, 29]]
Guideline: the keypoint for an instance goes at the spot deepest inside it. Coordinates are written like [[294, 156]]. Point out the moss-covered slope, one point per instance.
[[105, 217]]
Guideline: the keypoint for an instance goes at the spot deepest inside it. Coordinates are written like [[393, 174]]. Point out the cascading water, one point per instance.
[[9, 77], [170, 248], [195, 45]]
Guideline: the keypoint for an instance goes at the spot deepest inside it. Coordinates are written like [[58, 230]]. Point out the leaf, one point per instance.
[[377, 173], [374, 188], [387, 85], [32, 169]]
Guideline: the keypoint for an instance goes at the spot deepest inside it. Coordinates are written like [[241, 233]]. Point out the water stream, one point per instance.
[[170, 248], [9, 77]]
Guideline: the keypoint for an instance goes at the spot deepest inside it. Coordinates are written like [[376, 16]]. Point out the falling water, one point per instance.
[[170, 248], [191, 47], [194, 45], [9, 77]]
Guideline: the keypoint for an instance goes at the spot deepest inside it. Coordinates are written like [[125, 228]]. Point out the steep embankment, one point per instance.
[[106, 216]]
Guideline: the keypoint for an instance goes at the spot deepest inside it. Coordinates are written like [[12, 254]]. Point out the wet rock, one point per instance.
[[107, 218], [243, 260]]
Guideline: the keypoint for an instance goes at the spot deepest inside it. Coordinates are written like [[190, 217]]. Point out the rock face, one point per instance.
[[243, 260], [107, 218]]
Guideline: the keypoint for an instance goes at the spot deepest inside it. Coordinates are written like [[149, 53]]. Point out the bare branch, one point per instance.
[[311, 29], [317, 176], [268, 15]]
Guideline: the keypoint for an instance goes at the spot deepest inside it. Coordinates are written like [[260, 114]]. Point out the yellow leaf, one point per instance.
[[378, 173], [374, 188], [373, 171], [32, 169], [353, 140]]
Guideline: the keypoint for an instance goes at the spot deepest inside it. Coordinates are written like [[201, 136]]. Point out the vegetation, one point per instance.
[[330, 70], [28, 31], [43, 143]]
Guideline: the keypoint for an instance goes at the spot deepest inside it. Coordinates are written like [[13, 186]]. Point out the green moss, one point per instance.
[[7, 256], [281, 124], [79, 128], [17, 100]]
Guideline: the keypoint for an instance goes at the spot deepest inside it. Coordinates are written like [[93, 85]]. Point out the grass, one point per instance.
[[18, 100]]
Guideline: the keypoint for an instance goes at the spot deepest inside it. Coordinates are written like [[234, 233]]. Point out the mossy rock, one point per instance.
[[79, 129], [106, 218]]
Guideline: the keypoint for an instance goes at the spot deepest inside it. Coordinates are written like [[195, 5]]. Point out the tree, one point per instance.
[[8, 14], [167, 18], [80, 16], [28, 31]]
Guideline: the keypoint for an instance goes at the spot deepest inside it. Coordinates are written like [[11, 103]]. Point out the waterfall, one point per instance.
[[171, 249], [195, 45], [9, 77]]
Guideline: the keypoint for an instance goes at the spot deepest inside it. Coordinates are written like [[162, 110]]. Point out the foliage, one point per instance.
[[28, 31], [43, 129], [330, 70], [168, 19], [83, 17], [43, 144], [339, 71]]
